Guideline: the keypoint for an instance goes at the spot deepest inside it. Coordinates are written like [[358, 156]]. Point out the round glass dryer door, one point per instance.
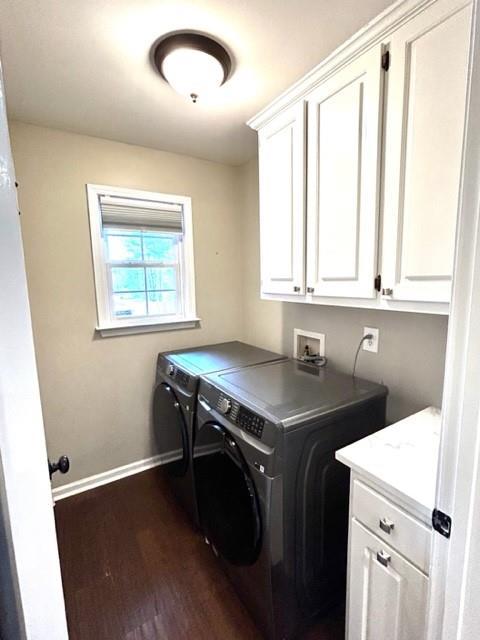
[[170, 427], [227, 498]]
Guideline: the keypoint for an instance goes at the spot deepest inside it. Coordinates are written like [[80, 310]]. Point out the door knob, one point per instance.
[[62, 465]]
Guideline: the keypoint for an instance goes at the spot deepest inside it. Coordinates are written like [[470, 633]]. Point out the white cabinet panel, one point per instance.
[[387, 594], [282, 203], [423, 148], [344, 119]]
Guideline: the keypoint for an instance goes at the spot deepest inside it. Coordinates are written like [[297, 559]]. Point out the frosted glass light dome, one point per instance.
[[192, 72], [193, 64]]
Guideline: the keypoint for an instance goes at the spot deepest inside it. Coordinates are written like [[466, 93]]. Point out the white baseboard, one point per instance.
[[85, 484]]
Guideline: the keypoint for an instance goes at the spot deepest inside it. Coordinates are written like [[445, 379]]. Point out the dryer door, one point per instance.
[[171, 431], [227, 497]]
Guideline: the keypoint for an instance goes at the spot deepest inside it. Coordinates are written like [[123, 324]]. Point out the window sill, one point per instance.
[[123, 329]]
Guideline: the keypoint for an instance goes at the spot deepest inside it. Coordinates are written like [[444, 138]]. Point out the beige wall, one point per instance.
[[96, 391], [411, 357]]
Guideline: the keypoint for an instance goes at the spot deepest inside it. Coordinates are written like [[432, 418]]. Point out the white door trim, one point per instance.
[[455, 582], [25, 492]]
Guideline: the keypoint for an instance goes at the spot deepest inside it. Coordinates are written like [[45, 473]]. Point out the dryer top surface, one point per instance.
[[218, 357]]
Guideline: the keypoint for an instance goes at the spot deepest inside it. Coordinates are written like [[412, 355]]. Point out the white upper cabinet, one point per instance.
[[344, 129], [380, 187], [282, 203], [427, 85]]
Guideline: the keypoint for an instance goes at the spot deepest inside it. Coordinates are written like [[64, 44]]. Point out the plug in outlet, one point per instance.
[[372, 344]]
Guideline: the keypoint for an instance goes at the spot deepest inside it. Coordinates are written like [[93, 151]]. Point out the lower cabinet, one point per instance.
[[388, 595], [389, 552]]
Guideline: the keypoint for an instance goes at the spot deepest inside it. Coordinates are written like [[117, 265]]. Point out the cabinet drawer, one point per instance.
[[390, 523]]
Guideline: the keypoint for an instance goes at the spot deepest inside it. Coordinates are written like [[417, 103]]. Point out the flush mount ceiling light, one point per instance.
[[192, 63]]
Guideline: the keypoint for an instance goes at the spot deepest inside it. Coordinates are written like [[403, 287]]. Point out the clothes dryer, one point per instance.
[[175, 401]]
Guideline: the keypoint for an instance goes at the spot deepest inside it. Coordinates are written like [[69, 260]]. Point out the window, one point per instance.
[[142, 250]]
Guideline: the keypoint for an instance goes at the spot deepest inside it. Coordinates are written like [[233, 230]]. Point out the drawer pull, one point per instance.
[[384, 558], [386, 525]]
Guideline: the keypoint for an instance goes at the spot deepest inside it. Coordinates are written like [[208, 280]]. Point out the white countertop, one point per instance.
[[403, 458]]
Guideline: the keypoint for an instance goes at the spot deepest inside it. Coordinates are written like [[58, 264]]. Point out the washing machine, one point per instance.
[[273, 501], [174, 406]]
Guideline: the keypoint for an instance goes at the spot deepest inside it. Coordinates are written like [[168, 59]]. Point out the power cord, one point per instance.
[[369, 336]]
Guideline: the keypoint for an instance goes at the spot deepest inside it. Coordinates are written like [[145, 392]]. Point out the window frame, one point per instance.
[[106, 324]]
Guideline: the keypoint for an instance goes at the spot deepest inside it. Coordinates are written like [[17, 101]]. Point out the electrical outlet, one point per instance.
[[372, 344]]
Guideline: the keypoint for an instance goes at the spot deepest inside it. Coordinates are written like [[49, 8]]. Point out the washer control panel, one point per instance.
[[241, 416], [250, 422], [224, 405]]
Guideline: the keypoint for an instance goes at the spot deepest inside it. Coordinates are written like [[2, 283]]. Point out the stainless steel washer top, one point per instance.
[[290, 392]]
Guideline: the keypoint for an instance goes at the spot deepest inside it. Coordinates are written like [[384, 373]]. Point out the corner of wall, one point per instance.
[[262, 320]]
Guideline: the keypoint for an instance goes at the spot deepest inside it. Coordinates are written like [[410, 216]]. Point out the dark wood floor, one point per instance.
[[133, 569]]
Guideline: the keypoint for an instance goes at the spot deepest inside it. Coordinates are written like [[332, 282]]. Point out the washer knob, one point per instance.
[[170, 370], [224, 405]]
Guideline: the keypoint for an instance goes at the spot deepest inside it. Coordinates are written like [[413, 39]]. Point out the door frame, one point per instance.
[[30, 567], [454, 581], [25, 489]]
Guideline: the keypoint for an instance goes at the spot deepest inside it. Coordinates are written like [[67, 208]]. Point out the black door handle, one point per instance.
[[62, 465]]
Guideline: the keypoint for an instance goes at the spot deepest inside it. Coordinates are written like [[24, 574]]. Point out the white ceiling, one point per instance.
[[83, 65]]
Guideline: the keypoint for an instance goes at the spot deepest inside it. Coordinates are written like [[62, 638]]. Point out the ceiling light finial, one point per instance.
[[192, 63]]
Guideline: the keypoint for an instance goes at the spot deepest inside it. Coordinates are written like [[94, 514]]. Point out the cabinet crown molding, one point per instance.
[[377, 30]]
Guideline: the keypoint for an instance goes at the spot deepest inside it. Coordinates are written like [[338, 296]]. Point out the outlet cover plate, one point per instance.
[[371, 345]]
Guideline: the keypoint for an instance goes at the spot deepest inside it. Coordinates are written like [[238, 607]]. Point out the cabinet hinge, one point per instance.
[[386, 60], [377, 283], [442, 523]]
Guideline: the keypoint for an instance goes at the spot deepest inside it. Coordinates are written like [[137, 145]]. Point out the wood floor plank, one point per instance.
[[134, 569]]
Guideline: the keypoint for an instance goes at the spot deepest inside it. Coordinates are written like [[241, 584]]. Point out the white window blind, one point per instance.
[[142, 244], [163, 216]]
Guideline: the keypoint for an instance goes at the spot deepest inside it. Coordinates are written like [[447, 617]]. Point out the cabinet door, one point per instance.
[[387, 594], [282, 203], [427, 83], [344, 120]]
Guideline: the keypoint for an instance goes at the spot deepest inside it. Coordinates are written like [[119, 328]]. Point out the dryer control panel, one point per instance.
[[181, 377], [169, 372], [175, 373]]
